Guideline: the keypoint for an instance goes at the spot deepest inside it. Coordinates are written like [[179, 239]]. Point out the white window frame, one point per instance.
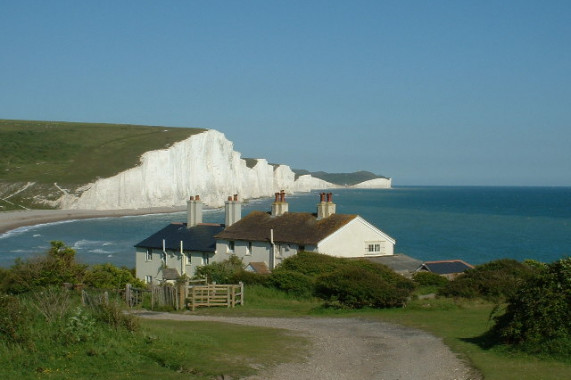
[[373, 247], [149, 254], [148, 279], [231, 246]]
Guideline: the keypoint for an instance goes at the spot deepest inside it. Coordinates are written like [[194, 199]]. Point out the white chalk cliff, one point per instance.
[[376, 183], [204, 164]]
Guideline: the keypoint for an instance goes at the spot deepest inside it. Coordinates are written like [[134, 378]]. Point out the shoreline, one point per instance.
[[11, 220]]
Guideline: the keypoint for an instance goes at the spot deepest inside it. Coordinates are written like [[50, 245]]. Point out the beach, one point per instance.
[[10, 220]]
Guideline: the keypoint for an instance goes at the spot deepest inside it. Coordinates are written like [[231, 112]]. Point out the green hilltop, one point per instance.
[[71, 154], [77, 153]]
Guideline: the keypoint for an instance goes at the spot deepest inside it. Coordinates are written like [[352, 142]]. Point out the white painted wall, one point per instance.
[[352, 239], [187, 264]]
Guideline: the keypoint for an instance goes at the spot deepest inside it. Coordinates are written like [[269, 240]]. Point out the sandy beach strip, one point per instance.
[[10, 220]]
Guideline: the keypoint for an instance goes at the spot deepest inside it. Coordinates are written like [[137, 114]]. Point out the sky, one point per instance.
[[425, 92]]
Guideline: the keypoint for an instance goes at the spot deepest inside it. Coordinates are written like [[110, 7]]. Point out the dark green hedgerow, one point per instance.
[[537, 318], [495, 280]]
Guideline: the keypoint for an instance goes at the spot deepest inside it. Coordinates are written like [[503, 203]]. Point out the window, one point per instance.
[[205, 258], [373, 247], [148, 279], [149, 254], [231, 247], [302, 248], [249, 248]]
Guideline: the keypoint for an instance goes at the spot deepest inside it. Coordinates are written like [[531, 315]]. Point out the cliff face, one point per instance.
[[204, 164]]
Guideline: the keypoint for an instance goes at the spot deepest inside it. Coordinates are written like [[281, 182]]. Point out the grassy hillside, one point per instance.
[[340, 178], [71, 154], [47, 152]]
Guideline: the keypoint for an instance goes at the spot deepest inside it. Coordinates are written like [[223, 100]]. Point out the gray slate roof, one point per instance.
[[293, 228], [198, 238], [445, 266]]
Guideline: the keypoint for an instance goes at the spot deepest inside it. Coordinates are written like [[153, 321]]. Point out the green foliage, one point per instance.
[[425, 278], [311, 264], [351, 283], [495, 280], [221, 272], [358, 287], [57, 267], [14, 326], [291, 282], [108, 276], [250, 278], [538, 316]]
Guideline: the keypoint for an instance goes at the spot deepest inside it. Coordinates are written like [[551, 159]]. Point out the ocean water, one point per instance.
[[475, 224]]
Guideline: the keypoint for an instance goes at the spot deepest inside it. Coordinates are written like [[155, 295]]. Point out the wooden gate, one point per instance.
[[215, 295]]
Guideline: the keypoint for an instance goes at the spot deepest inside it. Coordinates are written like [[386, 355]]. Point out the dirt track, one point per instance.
[[354, 349]]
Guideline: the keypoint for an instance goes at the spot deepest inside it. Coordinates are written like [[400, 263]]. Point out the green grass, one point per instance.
[[68, 153], [159, 350]]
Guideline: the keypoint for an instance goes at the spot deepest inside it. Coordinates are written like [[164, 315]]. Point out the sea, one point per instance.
[[474, 224]]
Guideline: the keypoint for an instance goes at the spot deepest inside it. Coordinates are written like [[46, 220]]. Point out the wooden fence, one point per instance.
[[175, 296], [216, 295]]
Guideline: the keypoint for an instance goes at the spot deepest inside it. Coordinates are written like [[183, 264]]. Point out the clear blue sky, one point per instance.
[[426, 92]]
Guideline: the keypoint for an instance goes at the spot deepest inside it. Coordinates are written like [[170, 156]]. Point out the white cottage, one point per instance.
[[178, 249], [272, 237], [261, 239]]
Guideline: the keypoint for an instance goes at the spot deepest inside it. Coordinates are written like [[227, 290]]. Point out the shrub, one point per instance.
[[57, 267], [357, 287], [14, 321], [108, 276], [496, 280], [221, 272], [311, 264], [429, 279], [250, 278], [294, 283], [538, 315]]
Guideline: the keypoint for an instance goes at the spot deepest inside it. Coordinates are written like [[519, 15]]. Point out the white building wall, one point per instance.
[[353, 240], [184, 264]]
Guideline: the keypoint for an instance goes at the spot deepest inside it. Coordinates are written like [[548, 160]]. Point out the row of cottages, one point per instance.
[[261, 239]]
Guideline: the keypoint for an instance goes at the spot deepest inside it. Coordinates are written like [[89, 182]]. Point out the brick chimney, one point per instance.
[[233, 208], [325, 207], [280, 206], [193, 211]]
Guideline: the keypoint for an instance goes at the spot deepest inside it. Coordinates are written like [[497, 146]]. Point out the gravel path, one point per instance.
[[354, 349]]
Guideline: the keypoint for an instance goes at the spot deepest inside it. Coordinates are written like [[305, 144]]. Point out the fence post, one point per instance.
[[128, 295], [241, 293]]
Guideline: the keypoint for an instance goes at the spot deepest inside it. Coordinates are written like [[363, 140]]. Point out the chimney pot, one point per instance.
[[191, 198], [236, 197], [329, 197], [197, 197], [230, 198]]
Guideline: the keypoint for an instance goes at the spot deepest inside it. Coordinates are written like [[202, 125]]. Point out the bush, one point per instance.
[[357, 287], [538, 315], [108, 276], [496, 280], [14, 321], [311, 264], [250, 278], [57, 267], [429, 279], [222, 272], [293, 283]]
